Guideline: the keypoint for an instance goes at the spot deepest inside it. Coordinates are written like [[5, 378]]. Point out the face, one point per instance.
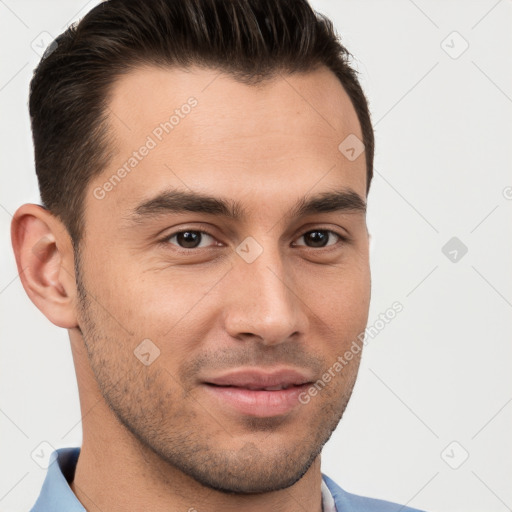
[[207, 320]]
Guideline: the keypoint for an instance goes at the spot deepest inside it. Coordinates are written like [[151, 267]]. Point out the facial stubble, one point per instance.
[[141, 401]]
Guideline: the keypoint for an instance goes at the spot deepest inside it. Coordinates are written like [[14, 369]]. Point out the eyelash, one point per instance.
[[166, 241]]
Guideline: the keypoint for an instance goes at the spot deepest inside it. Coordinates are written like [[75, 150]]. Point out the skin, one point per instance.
[[153, 428]]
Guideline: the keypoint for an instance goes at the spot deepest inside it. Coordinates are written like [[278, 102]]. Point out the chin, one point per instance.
[[250, 480]]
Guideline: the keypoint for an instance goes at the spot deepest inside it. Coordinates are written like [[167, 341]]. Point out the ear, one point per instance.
[[45, 261]]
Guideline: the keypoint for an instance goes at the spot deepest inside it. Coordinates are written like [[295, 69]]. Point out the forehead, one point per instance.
[[205, 131], [151, 90]]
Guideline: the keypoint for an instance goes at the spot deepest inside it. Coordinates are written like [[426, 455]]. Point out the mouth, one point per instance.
[[278, 387], [252, 392]]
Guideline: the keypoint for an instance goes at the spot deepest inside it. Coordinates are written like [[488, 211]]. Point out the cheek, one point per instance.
[[153, 300], [341, 307], [339, 296]]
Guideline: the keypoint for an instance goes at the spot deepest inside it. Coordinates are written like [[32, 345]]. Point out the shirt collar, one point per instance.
[[56, 494], [328, 504]]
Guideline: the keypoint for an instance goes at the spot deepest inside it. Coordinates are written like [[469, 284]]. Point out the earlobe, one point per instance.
[[44, 257]]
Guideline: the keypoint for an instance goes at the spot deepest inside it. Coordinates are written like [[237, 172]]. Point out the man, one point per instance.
[[203, 168]]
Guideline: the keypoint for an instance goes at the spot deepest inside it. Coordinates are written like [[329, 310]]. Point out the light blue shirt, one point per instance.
[[57, 496]]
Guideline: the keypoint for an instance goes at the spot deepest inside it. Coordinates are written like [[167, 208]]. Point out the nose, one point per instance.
[[264, 301]]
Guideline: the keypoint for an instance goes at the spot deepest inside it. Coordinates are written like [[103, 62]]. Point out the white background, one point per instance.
[[441, 370]]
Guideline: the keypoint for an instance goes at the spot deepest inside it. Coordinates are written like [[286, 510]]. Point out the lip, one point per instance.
[[246, 391]]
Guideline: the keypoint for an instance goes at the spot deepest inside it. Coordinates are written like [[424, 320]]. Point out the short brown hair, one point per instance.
[[249, 39]]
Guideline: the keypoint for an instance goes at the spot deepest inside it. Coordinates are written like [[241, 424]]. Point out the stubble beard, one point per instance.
[[178, 440]]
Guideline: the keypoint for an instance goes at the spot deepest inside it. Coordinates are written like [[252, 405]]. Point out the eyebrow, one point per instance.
[[176, 201]]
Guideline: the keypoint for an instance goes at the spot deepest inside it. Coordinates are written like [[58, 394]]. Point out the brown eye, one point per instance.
[[189, 239], [319, 238]]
